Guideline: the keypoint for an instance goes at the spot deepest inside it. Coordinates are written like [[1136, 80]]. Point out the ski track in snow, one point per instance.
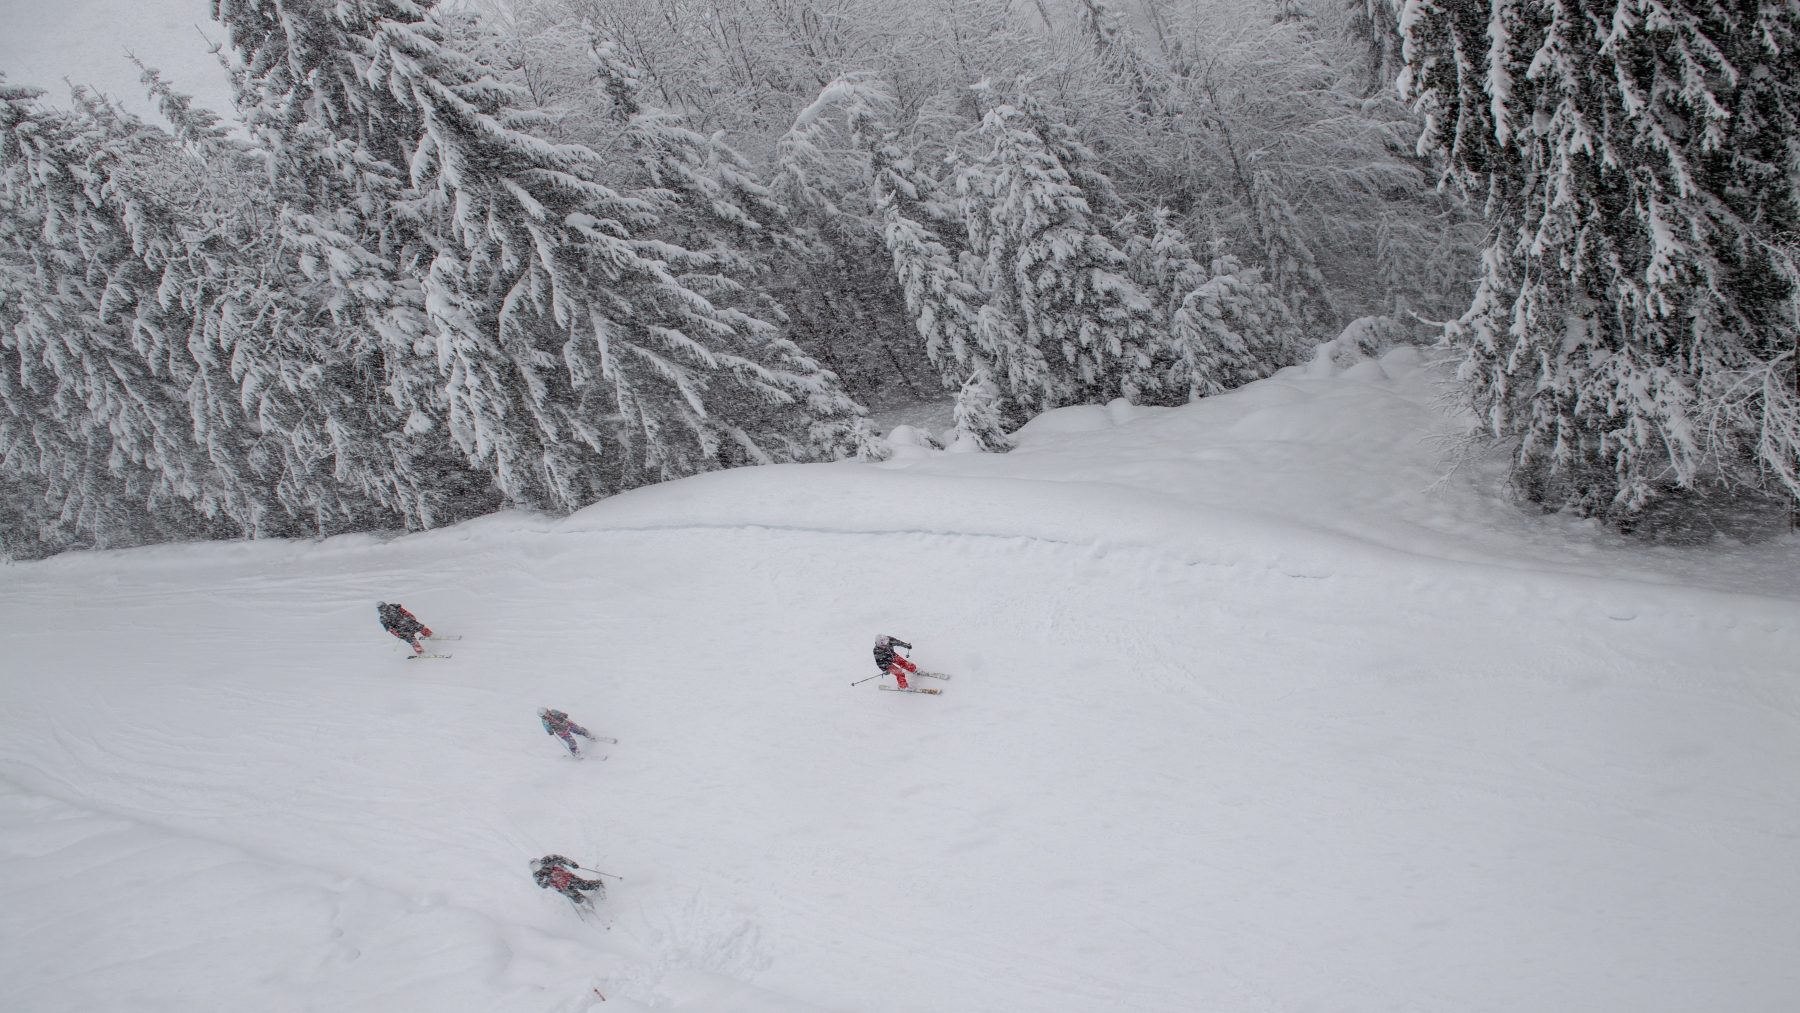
[[1265, 755]]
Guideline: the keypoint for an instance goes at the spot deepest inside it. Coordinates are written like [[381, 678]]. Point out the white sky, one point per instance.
[[42, 42]]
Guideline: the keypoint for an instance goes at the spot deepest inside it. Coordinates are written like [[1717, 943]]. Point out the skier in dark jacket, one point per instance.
[[403, 624], [558, 724], [891, 663], [554, 872]]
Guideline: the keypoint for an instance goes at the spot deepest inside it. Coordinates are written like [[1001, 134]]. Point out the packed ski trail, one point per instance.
[[1245, 716]]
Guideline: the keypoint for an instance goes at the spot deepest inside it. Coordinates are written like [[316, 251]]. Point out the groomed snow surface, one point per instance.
[[1253, 710]]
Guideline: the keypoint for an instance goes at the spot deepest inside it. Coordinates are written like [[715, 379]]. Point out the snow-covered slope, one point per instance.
[[1250, 712]]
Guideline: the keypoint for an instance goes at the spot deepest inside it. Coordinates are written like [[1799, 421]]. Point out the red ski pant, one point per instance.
[[898, 669], [418, 648]]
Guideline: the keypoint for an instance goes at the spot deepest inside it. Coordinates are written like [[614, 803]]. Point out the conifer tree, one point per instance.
[[1285, 250], [1223, 325], [1634, 330], [825, 166], [222, 371], [1375, 24], [978, 414], [944, 306], [578, 356], [277, 358], [1062, 323], [97, 306], [701, 183], [1125, 62]]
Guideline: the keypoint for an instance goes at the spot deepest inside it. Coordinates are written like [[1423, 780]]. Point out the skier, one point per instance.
[[553, 872], [891, 663], [558, 724], [403, 624]]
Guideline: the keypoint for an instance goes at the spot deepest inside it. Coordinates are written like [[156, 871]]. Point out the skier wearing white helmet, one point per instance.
[[558, 724]]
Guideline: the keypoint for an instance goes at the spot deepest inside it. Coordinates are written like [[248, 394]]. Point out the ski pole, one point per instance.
[[877, 675], [597, 872]]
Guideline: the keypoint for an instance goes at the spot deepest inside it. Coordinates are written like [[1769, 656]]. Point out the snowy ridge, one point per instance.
[[1353, 457], [1385, 747]]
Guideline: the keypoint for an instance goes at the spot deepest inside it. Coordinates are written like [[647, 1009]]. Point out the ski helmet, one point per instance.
[[543, 712], [381, 604], [537, 865]]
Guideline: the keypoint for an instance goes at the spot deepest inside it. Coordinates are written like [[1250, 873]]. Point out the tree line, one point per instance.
[[441, 260]]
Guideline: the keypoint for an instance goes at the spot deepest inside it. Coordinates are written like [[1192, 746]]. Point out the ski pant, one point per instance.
[[898, 669], [573, 890], [412, 639], [568, 735]]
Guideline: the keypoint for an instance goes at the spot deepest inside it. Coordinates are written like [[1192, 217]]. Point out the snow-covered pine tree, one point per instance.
[[1282, 149], [1124, 60], [578, 356], [1126, 63], [944, 306], [1223, 325], [870, 446], [277, 358], [705, 185], [978, 414], [708, 199], [1637, 317], [1271, 135], [823, 171], [1375, 24], [162, 200], [251, 434], [347, 246], [1062, 324], [1107, 210], [97, 313], [298, 80], [1286, 251]]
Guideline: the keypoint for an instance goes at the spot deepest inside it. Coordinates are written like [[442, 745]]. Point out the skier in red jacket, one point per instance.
[[403, 624], [553, 872], [891, 663]]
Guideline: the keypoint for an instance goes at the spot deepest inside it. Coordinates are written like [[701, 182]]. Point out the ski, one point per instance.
[[603, 738], [587, 912], [444, 636], [932, 675], [421, 657], [586, 756], [911, 689]]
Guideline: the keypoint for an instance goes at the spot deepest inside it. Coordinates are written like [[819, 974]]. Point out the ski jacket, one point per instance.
[[556, 723], [884, 650], [551, 873], [395, 619]]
